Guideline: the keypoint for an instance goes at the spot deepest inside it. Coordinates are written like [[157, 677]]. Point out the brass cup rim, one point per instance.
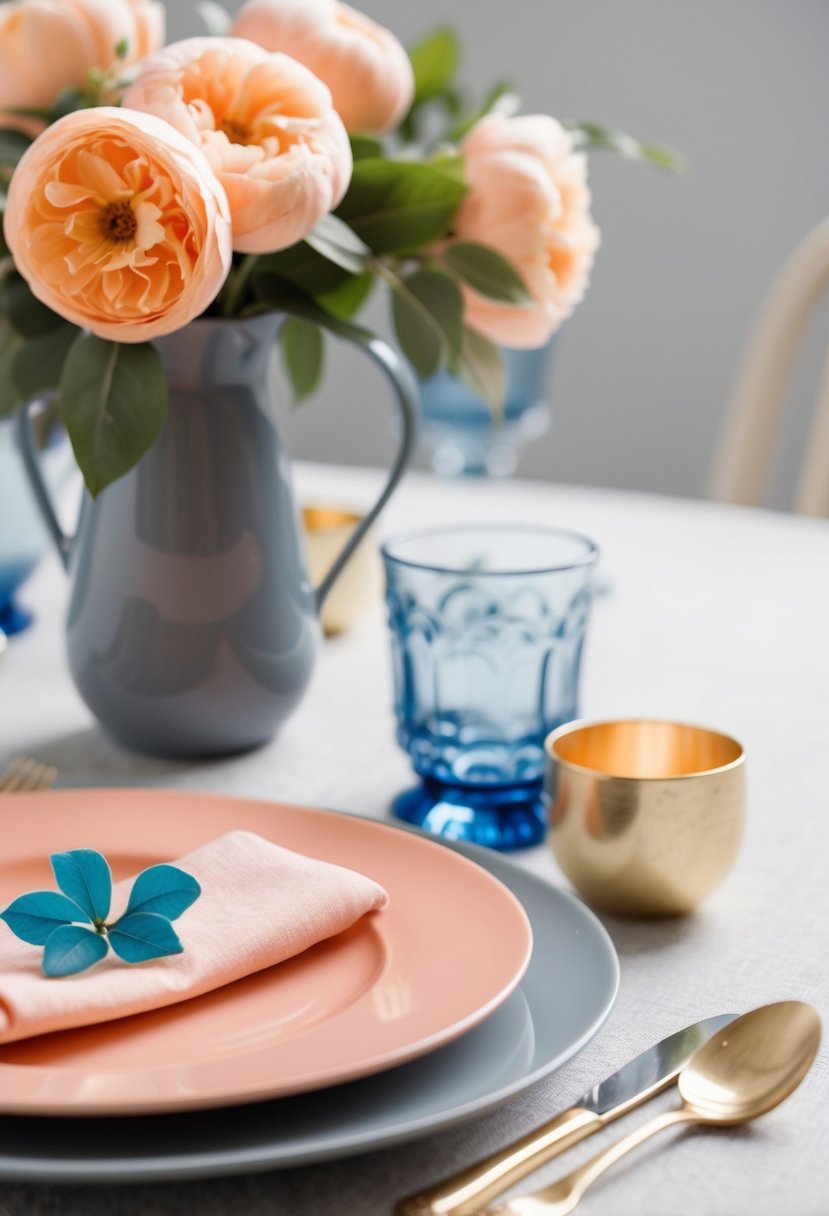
[[328, 519], [607, 774]]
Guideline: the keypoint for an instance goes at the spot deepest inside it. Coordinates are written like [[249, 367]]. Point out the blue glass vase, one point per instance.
[[487, 628], [458, 428]]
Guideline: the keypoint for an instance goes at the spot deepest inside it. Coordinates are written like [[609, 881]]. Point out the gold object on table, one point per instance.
[[646, 817], [359, 587], [23, 775], [741, 1073]]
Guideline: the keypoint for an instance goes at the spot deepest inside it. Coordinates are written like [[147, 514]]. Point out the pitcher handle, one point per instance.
[[31, 462], [405, 396]]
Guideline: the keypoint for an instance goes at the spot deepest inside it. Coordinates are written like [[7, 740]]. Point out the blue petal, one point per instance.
[[72, 948], [163, 889], [84, 876], [32, 917], [139, 936]]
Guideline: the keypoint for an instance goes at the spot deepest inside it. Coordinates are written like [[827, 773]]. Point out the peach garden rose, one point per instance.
[[528, 199], [118, 224], [265, 123], [363, 64], [47, 46]]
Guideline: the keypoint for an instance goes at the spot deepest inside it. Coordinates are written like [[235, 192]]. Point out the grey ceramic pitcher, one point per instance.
[[192, 627]]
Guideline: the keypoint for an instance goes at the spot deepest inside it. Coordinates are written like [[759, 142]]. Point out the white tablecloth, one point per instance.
[[714, 615]]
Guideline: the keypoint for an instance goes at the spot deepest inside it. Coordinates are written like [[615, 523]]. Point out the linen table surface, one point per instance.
[[713, 615]]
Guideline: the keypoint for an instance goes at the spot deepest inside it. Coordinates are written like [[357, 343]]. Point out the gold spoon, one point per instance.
[[742, 1072]]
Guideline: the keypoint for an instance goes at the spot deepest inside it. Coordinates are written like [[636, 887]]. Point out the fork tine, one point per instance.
[[25, 775], [40, 778]]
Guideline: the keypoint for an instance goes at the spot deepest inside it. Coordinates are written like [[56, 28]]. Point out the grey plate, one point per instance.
[[566, 994]]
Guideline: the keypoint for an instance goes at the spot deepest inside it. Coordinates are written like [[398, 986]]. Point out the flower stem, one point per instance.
[[233, 292]]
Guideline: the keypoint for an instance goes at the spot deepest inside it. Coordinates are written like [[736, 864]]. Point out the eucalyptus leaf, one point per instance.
[[363, 147], [400, 206], [139, 936], [335, 241], [28, 315], [593, 137], [5, 252], [164, 889], [113, 401], [72, 948], [347, 299], [32, 917], [427, 308], [215, 18], [435, 61], [303, 355], [481, 367], [12, 146], [486, 271], [10, 343], [300, 265], [38, 362], [84, 876]]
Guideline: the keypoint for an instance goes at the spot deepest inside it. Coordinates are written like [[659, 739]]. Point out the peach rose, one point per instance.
[[50, 45], [118, 223], [265, 123], [528, 199], [365, 67]]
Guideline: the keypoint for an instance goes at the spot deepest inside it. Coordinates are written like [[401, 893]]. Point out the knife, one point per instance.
[[464, 1194]]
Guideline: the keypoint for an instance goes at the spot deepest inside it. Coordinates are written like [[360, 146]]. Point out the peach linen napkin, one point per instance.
[[260, 904]]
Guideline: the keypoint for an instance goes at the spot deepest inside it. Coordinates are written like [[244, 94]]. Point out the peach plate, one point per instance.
[[450, 947]]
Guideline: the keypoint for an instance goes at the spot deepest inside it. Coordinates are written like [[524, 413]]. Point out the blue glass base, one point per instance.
[[503, 817], [14, 619]]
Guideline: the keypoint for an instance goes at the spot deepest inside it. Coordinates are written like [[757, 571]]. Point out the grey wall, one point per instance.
[[646, 364]]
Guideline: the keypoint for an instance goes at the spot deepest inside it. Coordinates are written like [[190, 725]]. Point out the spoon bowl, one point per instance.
[[742, 1072], [753, 1064]]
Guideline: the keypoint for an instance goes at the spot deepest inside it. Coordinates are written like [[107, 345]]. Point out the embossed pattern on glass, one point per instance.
[[487, 628]]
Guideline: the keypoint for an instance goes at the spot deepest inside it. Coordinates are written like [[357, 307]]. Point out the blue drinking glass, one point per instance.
[[457, 425], [488, 626]]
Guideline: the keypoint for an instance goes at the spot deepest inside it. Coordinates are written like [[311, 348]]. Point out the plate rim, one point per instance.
[[229, 1162], [317, 1079]]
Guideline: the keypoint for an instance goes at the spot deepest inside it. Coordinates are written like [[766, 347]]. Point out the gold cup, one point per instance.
[[645, 817], [359, 587]]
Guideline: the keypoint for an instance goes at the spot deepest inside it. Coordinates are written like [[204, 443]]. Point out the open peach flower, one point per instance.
[[528, 199], [118, 224], [265, 123], [50, 45], [363, 64]]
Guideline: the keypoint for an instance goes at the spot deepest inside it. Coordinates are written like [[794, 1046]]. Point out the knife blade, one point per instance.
[[465, 1193]]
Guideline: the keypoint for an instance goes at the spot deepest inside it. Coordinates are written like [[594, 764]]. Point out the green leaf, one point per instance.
[[427, 308], [5, 252], [67, 102], [27, 314], [303, 350], [113, 401], [301, 266], [12, 146], [347, 299], [10, 343], [593, 137], [398, 206], [38, 362], [164, 889], [139, 936], [72, 948], [335, 241], [122, 48], [215, 18], [34, 916], [435, 61], [363, 147], [481, 367], [486, 271], [84, 876]]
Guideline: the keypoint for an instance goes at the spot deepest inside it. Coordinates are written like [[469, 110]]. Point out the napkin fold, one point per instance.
[[260, 904]]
